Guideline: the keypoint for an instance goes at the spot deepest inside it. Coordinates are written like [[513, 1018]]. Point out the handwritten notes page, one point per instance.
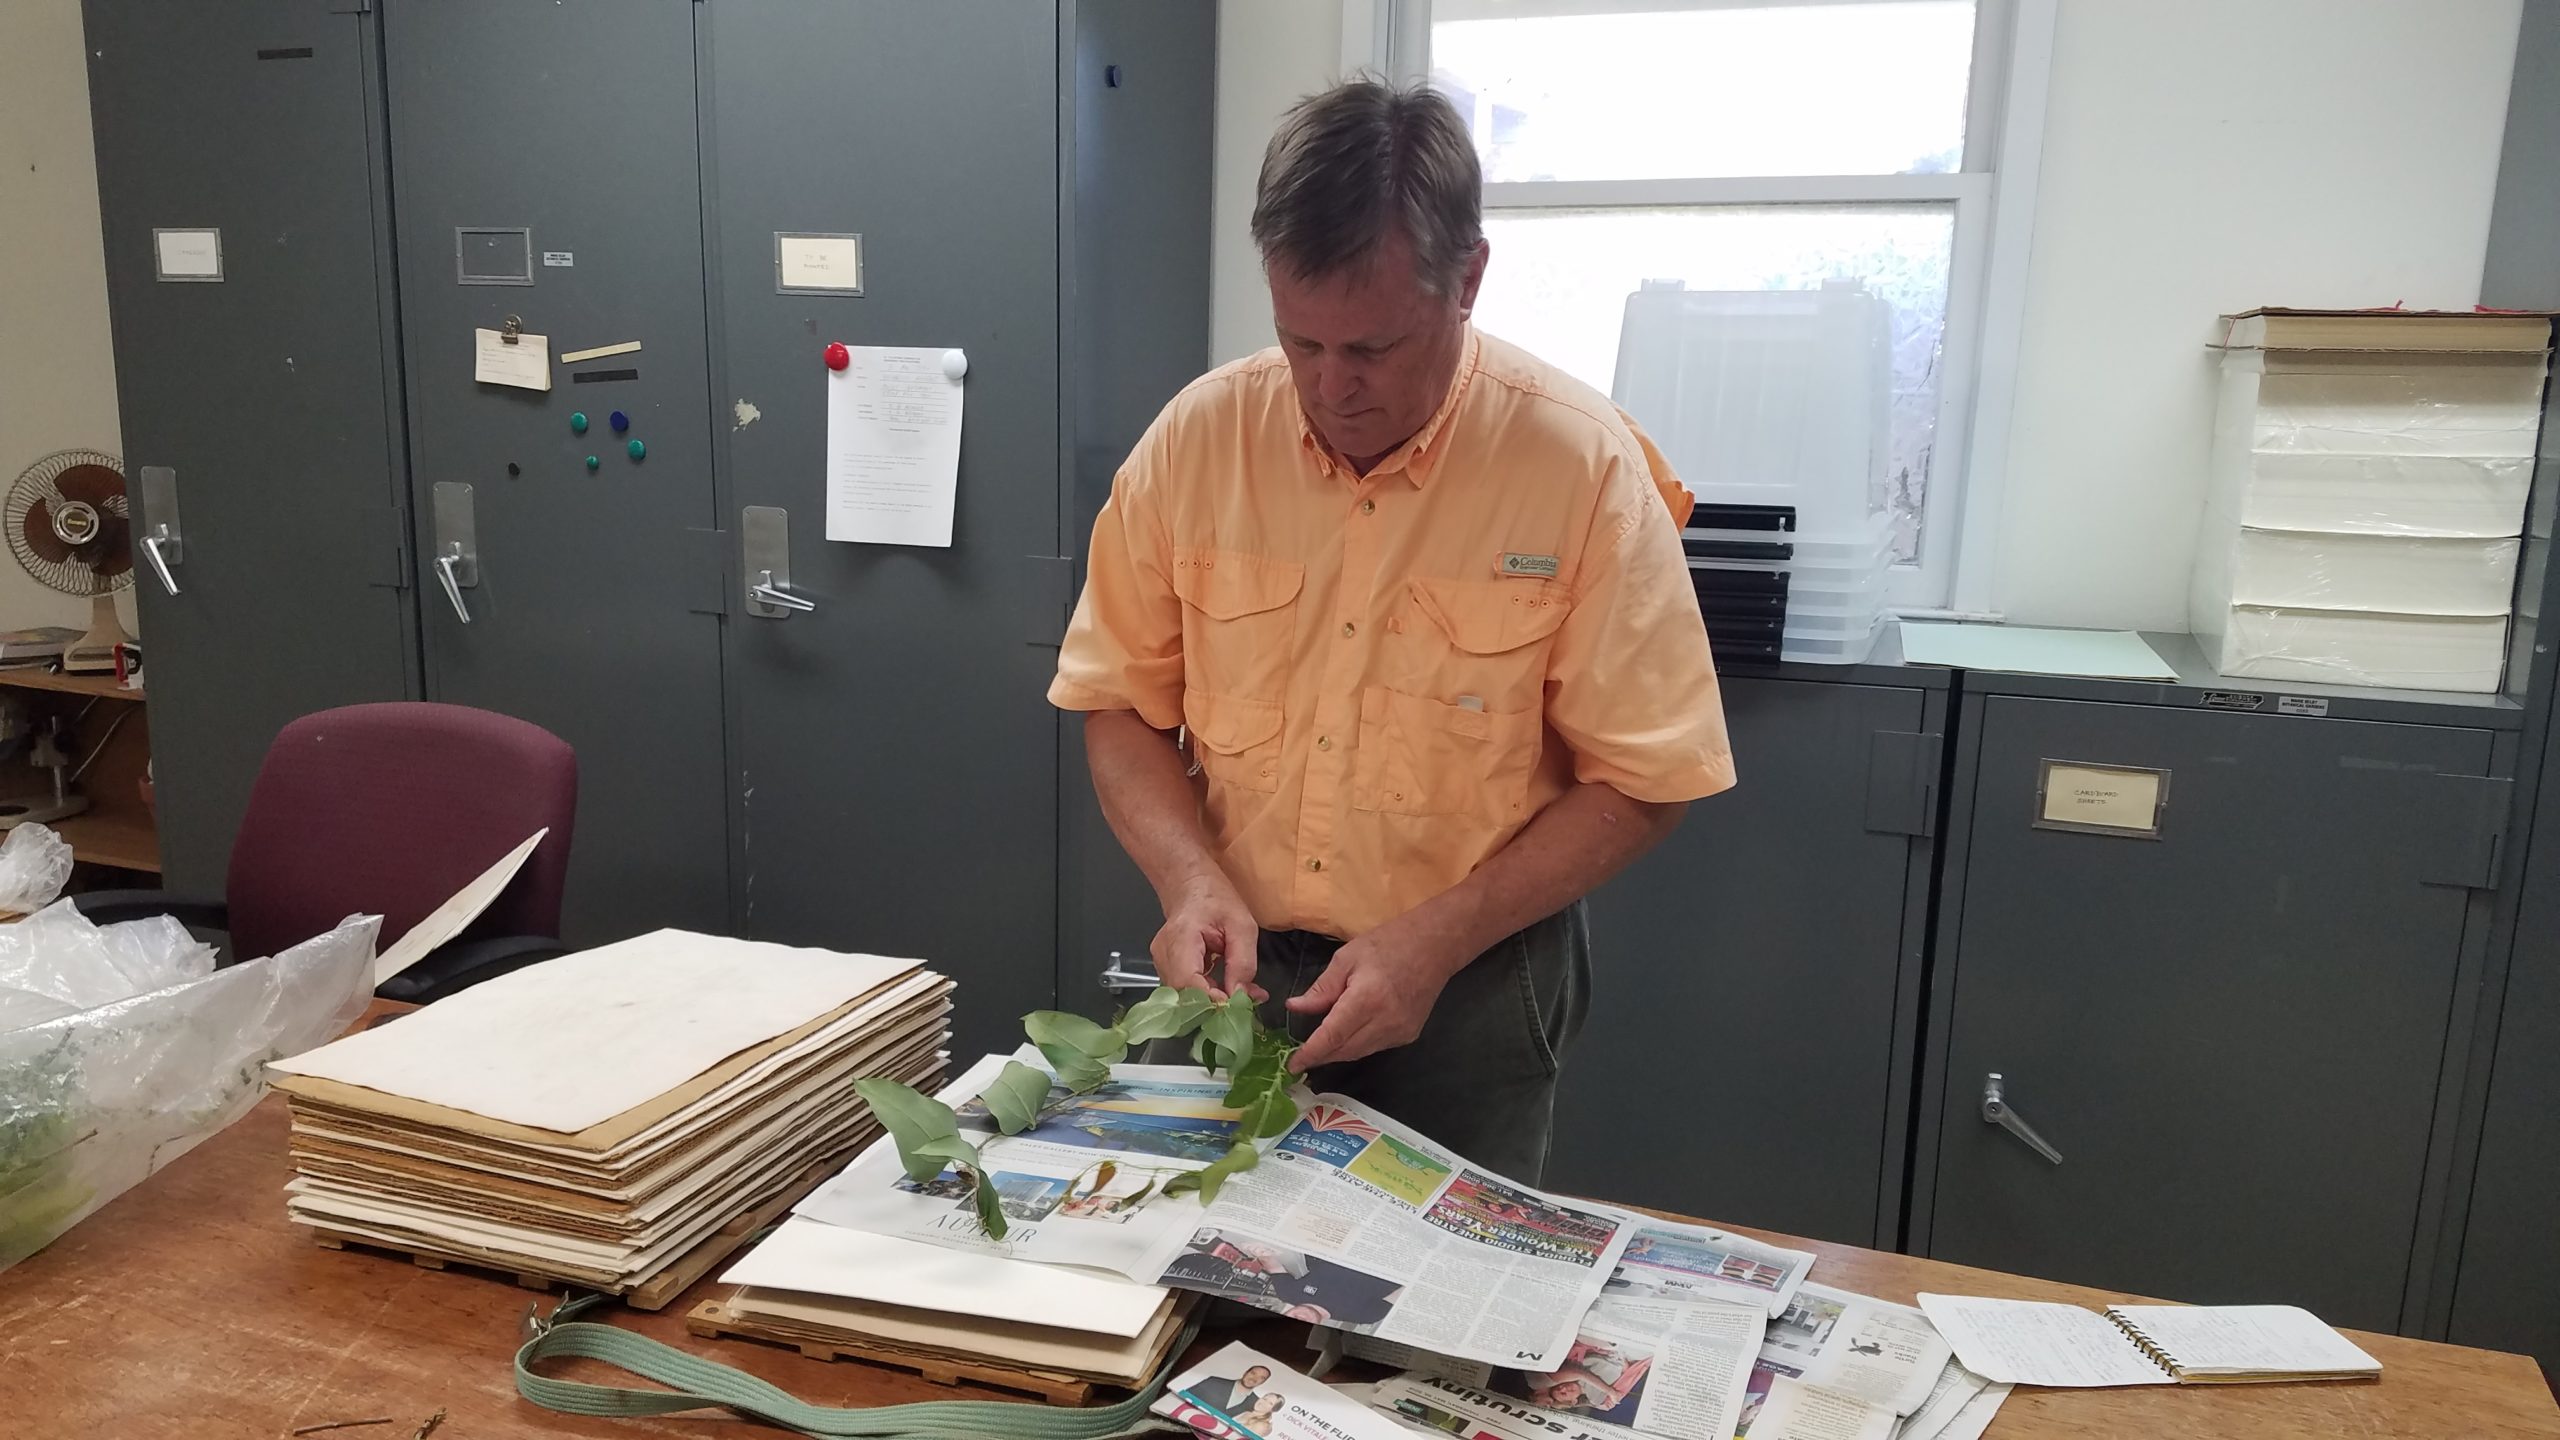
[[2030, 1342], [893, 447]]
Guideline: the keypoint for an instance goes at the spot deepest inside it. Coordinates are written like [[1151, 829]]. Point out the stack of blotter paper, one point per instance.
[[618, 1119], [1053, 1331]]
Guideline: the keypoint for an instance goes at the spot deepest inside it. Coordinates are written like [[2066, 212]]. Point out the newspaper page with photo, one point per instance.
[[1450, 1407], [1242, 1394], [1677, 1368], [1667, 1261], [1354, 1221], [1073, 1186], [1854, 1345]]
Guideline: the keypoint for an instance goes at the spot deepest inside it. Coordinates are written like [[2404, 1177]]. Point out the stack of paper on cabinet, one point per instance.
[[952, 1314], [617, 1119]]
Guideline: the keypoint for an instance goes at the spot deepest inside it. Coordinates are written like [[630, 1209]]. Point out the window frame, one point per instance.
[[1993, 195]]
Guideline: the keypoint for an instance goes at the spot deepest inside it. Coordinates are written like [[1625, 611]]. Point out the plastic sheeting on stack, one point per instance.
[[613, 1118]]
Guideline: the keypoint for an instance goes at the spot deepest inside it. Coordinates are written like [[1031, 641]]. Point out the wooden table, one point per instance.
[[189, 1309]]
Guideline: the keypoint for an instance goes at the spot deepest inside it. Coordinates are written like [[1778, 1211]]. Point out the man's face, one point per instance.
[[1565, 1393], [1370, 349], [1253, 1378]]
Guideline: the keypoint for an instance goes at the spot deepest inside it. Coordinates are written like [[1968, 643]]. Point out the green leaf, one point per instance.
[[948, 1151], [990, 1206], [1229, 1030], [1080, 1051], [1166, 1013], [1241, 1156], [1200, 1050], [916, 1122], [1261, 1092], [1015, 1096]]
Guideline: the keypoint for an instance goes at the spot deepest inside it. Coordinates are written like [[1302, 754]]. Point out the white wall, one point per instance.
[[2204, 156], [57, 367], [1270, 52]]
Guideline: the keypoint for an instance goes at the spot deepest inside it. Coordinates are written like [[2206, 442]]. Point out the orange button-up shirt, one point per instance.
[[1384, 677]]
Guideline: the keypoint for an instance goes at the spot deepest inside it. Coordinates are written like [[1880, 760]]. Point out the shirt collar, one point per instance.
[[1418, 457]]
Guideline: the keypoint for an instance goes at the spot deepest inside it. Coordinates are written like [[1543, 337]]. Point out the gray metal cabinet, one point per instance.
[[548, 170], [1755, 975], [269, 392], [2245, 1036]]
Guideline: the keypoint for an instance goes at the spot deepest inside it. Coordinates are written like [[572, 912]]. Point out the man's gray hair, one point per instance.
[[1351, 165]]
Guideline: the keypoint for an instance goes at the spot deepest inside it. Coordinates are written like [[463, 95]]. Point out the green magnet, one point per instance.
[[578, 423], [638, 450], [592, 462]]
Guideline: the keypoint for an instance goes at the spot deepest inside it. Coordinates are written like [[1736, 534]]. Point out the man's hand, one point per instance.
[[1376, 992], [1208, 920]]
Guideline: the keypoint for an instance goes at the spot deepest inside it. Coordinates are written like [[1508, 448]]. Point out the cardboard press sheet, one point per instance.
[[1031, 1347], [574, 1042], [321, 1074], [815, 1257]]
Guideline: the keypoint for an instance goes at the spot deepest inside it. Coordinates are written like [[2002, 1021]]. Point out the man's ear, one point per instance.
[[1473, 278]]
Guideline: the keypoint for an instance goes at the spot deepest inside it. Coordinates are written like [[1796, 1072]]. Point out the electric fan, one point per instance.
[[69, 526]]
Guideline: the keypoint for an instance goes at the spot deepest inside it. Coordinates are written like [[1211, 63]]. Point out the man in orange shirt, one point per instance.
[[1412, 602]]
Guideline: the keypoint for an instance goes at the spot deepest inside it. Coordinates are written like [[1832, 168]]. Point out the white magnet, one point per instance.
[[954, 365]]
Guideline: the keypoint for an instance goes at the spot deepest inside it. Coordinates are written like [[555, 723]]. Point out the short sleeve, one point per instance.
[[1123, 649], [1631, 687]]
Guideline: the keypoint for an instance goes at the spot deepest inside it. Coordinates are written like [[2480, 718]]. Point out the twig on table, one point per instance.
[[430, 1427], [341, 1425]]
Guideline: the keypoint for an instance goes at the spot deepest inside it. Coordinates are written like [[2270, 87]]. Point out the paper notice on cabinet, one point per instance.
[[2031, 1342], [893, 447], [526, 364]]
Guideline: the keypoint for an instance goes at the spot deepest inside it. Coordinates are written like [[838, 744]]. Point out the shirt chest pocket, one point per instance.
[[1239, 620], [1462, 735]]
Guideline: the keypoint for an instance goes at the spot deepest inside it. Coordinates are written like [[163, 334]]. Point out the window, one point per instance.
[[1735, 146]]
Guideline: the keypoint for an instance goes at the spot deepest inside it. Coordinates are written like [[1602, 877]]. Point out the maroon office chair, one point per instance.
[[388, 810]]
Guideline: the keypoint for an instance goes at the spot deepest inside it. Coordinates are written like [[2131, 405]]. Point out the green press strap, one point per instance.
[[695, 1383]]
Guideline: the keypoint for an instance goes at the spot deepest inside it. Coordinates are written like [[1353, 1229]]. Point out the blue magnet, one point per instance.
[[578, 423], [620, 422], [592, 462], [637, 449]]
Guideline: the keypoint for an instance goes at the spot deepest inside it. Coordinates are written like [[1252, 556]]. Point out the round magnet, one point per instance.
[[637, 449], [578, 423], [954, 365], [592, 462], [838, 357], [620, 422]]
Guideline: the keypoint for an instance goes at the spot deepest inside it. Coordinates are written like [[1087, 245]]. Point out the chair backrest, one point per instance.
[[388, 810]]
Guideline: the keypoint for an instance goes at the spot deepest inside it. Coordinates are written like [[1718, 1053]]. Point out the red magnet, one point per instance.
[[838, 357]]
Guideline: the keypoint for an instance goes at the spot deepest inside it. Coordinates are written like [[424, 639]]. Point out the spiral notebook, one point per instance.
[[2027, 1342]]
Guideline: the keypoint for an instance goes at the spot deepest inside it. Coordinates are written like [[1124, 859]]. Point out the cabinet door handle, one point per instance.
[[446, 565], [773, 592], [1116, 976], [162, 547], [1996, 1111]]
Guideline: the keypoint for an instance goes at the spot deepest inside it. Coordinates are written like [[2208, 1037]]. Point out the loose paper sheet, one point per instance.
[[455, 915], [525, 365], [575, 1041], [810, 1255], [2033, 1342], [2098, 654], [893, 447]]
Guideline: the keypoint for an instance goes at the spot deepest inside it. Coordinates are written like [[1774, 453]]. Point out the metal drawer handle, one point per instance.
[[445, 565], [1996, 1111]]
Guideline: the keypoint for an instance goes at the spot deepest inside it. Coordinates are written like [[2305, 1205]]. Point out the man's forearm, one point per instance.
[[1138, 774], [1565, 852]]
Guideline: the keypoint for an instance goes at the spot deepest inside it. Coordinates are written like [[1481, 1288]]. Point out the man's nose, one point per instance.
[[1338, 383]]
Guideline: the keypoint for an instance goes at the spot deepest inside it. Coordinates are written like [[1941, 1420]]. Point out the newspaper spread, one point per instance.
[[1242, 1394], [1353, 1221], [1071, 1186], [1692, 1262], [1956, 1387], [1793, 1410], [1350, 1220], [1856, 1346], [1427, 1402]]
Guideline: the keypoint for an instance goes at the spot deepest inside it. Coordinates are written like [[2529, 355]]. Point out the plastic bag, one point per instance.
[[34, 865], [94, 1100], [58, 961]]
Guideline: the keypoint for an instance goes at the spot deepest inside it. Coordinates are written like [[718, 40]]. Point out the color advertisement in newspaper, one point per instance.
[[1240, 1393], [1354, 1221], [1667, 1261]]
